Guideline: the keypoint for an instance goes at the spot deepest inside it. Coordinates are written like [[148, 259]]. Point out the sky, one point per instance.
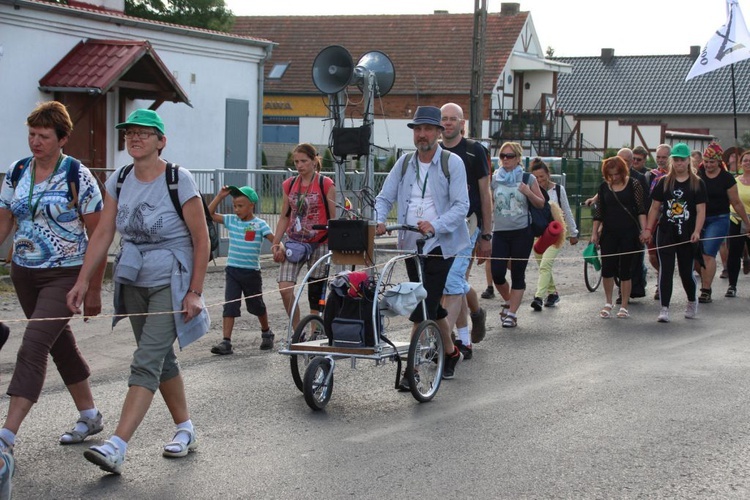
[[571, 27]]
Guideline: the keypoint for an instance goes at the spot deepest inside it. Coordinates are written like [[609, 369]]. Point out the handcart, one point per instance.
[[313, 350]]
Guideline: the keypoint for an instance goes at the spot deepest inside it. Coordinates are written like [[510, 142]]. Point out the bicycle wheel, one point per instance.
[[318, 386], [310, 328], [424, 366], [591, 276]]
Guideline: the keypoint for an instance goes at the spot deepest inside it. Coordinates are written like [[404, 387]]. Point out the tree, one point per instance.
[[208, 14]]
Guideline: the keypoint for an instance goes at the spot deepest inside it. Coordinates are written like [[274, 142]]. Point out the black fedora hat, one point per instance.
[[427, 115]]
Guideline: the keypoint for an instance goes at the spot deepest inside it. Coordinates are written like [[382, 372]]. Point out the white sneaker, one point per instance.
[[663, 315], [692, 310]]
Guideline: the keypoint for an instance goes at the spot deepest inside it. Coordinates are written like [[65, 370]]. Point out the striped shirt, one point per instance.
[[245, 240]]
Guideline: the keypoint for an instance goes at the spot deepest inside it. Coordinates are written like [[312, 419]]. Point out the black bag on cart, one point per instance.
[[349, 319]]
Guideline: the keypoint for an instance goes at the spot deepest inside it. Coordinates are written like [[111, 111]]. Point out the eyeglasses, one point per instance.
[[142, 134], [507, 156]]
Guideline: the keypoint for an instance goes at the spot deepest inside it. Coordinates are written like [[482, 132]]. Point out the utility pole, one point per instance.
[[476, 102]]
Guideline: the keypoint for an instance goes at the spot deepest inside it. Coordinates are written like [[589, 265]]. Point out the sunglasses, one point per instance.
[[504, 156]]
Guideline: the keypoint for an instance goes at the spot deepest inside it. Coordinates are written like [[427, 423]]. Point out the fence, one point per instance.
[[582, 179]]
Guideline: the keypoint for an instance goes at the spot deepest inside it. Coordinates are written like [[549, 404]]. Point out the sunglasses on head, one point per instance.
[[506, 156]]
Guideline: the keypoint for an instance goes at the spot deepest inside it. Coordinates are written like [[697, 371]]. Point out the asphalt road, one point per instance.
[[565, 406]]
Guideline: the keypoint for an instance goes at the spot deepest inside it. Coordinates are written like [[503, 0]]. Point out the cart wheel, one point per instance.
[[310, 328], [317, 391], [424, 367], [591, 276]]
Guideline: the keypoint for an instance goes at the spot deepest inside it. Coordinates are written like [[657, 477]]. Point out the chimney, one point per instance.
[[106, 5], [509, 9], [608, 55], [695, 51]]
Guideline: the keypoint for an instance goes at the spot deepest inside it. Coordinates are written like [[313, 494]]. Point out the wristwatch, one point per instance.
[[487, 237]]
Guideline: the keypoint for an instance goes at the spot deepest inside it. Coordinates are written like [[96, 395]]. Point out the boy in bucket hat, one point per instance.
[[246, 233]]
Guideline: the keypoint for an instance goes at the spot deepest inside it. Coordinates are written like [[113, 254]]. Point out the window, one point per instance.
[[278, 70]]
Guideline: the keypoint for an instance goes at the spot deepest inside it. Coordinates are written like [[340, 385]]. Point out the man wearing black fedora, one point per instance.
[[429, 188]]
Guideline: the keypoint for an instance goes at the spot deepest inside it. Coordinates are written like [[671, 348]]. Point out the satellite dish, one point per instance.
[[332, 69], [381, 65]]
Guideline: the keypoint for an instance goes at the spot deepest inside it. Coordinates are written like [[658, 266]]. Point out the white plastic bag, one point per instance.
[[402, 299]]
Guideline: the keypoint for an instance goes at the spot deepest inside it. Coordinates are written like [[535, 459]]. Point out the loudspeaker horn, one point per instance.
[[332, 69], [381, 65]]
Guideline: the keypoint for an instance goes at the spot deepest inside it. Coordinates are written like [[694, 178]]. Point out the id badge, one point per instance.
[[297, 224], [420, 211]]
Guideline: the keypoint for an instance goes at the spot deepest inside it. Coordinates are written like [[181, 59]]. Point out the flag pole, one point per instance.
[[734, 108]]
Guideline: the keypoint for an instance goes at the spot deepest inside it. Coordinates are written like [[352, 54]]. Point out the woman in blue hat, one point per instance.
[[160, 269]]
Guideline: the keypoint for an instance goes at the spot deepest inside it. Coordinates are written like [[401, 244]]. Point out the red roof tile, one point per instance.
[[96, 66], [431, 53]]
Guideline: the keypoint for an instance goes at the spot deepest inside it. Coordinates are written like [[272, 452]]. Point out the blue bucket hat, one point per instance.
[[427, 115]]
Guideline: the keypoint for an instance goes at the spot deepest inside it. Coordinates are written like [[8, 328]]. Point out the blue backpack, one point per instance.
[[74, 183]]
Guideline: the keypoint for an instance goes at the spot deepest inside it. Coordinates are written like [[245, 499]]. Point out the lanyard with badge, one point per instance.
[[301, 200], [420, 210], [34, 206]]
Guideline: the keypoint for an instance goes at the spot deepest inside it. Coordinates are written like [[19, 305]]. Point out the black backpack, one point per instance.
[[172, 180]]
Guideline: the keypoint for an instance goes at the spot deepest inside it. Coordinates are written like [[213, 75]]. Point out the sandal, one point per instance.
[[93, 426], [504, 311], [623, 313], [107, 456], [510, 321], [606, 311], [183, 449]]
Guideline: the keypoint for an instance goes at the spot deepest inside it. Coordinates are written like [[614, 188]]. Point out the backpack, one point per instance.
[[470, 146], [172, 180], [72, 179], [443, 163]]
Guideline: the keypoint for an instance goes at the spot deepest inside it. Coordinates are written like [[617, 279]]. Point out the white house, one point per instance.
[[206, 85]]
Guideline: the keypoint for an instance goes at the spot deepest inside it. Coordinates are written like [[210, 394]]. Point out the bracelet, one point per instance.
[[199, 294]]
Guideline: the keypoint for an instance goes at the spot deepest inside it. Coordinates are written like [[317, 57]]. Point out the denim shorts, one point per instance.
[[715, 231], [456, 283]]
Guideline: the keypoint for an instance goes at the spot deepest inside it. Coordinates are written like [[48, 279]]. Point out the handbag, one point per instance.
[[591, 256], [298, 251], [402, 299], [539, 218]]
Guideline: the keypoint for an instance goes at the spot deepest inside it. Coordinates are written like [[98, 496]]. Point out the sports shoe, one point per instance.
[[105, 458], [731, 292], [552, 300], [403, 384], [663, 315], [451, 360], [223, 347], [478, 325], [93, 426], [489, 293], [267, 342], [705, 296], [536, 304], [6, 474], [4, 334], [691, 310], [466, 350]]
